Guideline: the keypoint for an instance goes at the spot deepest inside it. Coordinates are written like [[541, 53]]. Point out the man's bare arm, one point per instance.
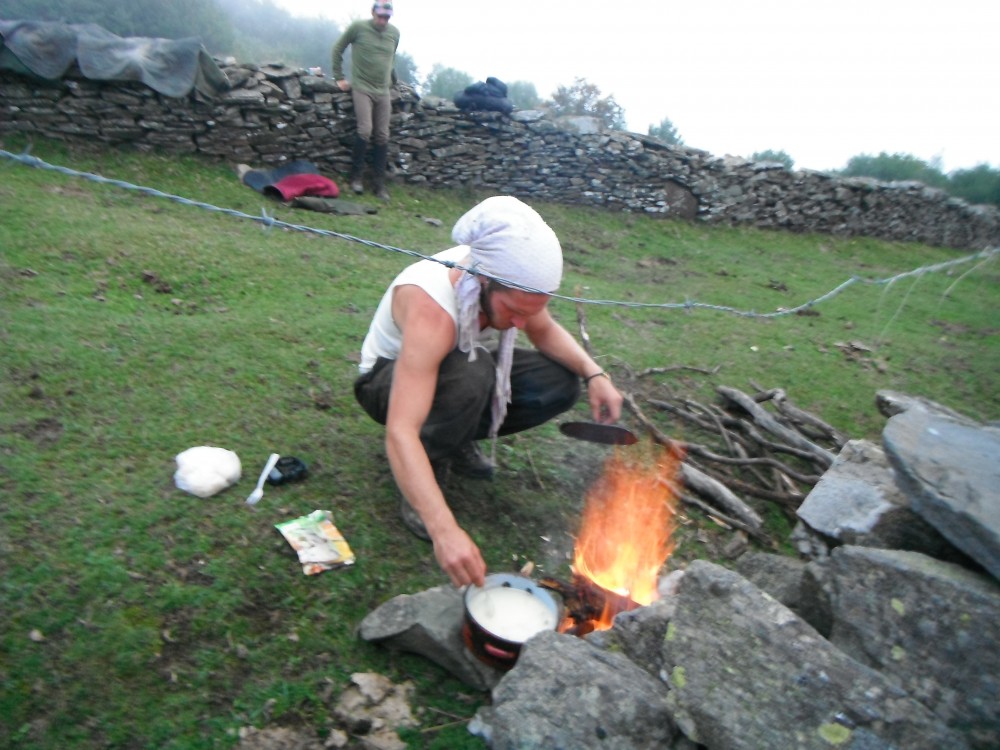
[[556, 342], [428, 337]]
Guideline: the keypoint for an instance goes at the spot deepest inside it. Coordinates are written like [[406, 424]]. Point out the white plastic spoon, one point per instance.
[[258, 493]]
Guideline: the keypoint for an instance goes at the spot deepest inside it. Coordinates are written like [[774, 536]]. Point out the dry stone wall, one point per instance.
[[275, 113]]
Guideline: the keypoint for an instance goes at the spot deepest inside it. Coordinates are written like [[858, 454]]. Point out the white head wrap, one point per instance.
[[508, 240]]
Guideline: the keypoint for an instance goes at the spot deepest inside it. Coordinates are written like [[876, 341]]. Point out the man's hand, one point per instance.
[[428, 337], [605, 400], [344, 85], [460, 558], [553, 340]]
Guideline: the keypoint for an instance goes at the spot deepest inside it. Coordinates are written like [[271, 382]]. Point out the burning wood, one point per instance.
[[586, 604], [624, 538]]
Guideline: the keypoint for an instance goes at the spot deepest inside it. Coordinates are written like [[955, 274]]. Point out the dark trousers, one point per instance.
[[541, 388]]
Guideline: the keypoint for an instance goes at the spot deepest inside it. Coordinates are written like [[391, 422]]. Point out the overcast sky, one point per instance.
[[822, 81]]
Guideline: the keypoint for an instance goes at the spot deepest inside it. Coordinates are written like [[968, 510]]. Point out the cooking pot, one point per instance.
[[503, 613]]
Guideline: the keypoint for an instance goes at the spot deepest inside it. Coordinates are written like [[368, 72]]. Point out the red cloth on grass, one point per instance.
[[296, 185]]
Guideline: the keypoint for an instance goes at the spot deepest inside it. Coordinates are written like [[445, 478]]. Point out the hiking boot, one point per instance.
[[380, 157], [358, 151], [411, 520], [469, 461]]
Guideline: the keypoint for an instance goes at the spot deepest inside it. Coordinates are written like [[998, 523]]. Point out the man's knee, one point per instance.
[[564, 397], [466, 381]]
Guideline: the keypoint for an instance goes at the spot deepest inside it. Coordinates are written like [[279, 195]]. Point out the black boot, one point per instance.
[[469, 461], [358, 164], [380, 155]]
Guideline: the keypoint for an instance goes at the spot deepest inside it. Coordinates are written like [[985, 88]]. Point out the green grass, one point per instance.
[[135, 327]]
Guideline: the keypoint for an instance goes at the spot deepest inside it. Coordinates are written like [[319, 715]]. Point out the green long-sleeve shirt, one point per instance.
[[373, 53]]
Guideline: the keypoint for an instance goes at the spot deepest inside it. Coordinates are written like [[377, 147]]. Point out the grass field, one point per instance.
[[133, 327]]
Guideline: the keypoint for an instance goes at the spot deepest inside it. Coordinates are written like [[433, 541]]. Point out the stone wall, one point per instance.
[[274, 113]]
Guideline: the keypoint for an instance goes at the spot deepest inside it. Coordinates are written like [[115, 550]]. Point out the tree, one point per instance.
[[266, 33], [446, 82], [584, 98], [981, 184], [895, 167], [666, 132], [773, 156], [406, 69], [523, 94]]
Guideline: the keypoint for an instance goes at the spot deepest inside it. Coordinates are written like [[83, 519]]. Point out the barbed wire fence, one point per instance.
[[980, 258]]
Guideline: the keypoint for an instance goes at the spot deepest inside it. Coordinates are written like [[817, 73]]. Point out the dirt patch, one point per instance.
[[280, 738], [42, 432]]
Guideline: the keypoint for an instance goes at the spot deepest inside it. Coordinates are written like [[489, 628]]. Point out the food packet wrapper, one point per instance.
[[319, 544], [206, 470]]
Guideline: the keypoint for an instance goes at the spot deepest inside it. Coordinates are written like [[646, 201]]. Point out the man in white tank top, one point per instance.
[[430, 374]]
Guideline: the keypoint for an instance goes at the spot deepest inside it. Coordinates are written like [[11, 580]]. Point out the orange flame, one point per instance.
[[628, 521]]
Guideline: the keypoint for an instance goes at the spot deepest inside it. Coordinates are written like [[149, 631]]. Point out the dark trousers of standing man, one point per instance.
[[372, 112], [541, 389]]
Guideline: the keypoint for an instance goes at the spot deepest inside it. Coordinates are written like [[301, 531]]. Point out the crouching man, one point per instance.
[[430, 374]]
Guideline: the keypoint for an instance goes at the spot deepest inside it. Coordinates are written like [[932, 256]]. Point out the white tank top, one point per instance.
[[384, 338]]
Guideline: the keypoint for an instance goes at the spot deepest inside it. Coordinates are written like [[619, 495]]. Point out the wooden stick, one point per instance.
[[697, 480], [581, 321], [674, 368], [744, 427], [803, 417], [789, 499], [706, 486], [769, 423], [708, 510], [708, 455], [534, 470]]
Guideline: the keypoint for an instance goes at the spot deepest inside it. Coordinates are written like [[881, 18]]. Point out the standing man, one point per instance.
[[373, 54], [428, 376]]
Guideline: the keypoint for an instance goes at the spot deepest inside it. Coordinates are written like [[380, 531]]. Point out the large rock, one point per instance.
[[891, 403], [951, 472], [931, 626], [746, 672], [565, 693], [778, 575], [430, 624], [857, 501], [638, 634]]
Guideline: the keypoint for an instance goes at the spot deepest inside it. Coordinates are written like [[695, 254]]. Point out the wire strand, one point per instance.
[[269, 222]]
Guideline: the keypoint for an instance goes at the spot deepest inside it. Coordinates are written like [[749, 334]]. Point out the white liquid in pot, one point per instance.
[[511, 614]]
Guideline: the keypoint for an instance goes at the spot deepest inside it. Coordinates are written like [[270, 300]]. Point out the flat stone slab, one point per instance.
[[430, 624], [950, 469]]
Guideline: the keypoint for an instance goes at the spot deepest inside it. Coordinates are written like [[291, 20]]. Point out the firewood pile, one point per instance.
[[745, 448]]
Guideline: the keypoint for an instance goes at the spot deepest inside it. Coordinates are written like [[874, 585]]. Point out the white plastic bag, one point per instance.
[[206, 470]]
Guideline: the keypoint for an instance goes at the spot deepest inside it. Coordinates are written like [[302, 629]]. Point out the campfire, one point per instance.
[[624, 539]]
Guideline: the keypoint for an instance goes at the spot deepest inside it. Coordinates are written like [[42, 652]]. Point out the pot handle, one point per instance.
[[498, 653]]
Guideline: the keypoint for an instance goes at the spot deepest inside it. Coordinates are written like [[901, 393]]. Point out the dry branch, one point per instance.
[[724, 498], [794, 414], [775, 454], [703, 452], [697, 480], [581, 321], [689, 499], [770, 424], [674, 368]]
